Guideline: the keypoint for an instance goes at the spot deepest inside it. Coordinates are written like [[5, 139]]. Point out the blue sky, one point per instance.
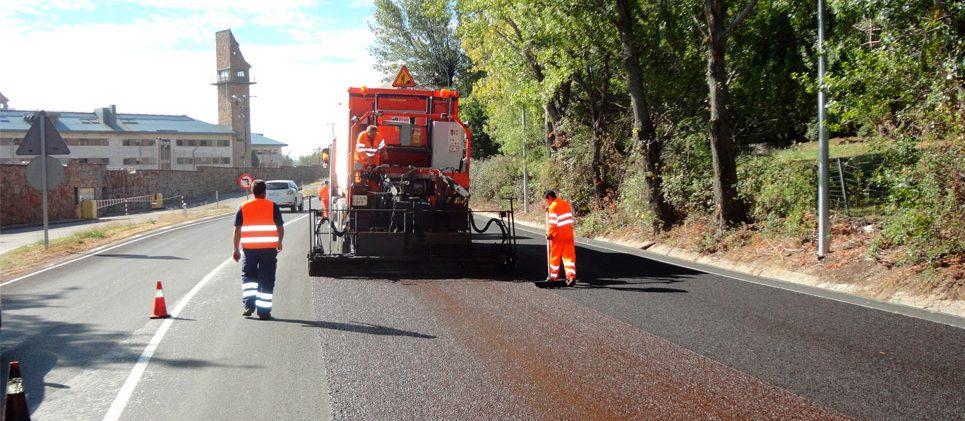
[[157, 56]]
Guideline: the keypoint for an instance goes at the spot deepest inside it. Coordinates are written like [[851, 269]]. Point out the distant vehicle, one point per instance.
[[285, 193]]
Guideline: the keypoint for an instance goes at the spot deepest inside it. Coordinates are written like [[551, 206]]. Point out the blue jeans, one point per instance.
[[258, 278]]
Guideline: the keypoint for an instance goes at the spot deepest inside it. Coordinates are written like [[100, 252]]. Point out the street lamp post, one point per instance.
[[823, 218], [525, 189]]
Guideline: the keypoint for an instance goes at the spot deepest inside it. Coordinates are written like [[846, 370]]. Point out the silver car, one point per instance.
[[285, 193]]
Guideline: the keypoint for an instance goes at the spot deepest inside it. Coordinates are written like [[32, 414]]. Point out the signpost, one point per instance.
[[245, 181], [44, 172]]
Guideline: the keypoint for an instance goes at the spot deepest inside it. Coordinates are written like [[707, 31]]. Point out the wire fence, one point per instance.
[[852, 185]]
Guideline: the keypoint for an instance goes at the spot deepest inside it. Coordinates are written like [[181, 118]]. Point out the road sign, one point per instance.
[[403, 79], [245, 181], [31, 142], [35, 173]]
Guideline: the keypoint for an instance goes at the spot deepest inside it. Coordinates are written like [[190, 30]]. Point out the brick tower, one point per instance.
[[234, 101]]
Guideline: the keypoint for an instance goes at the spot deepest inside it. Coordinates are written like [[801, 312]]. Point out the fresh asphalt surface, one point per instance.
[[638, 339]]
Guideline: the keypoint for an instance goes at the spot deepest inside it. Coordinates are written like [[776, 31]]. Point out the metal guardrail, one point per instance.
[[105, 203]]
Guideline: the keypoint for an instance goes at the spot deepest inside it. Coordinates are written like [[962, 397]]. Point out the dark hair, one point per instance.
[[258, 188], [550, 194], [326, 181]]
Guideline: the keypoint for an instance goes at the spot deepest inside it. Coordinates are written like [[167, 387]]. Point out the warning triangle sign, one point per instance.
[[403, 79], [31, 142]]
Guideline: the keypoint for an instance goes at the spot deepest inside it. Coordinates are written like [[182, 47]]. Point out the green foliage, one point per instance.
[[895, 69], [495, 178], [926, 205], [781, 193], [418, 33]]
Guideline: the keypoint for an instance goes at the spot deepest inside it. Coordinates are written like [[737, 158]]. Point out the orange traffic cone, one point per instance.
[[15, 407], [160, 309]]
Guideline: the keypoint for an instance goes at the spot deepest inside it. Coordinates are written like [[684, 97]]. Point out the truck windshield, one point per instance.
[[277, 186]]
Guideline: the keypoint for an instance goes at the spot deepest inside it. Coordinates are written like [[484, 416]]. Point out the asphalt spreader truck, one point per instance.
[[399, 197]]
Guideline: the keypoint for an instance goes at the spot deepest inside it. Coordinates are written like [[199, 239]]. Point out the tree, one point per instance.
[[730, 209], [419, 34], [644, 134]]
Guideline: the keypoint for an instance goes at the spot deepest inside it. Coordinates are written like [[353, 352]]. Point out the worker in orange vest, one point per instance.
[[323, 194], [259, 230], [559, 235], [369, 148]]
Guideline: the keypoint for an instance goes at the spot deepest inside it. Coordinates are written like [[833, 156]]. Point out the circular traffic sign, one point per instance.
[[245, 181], [55, 173]]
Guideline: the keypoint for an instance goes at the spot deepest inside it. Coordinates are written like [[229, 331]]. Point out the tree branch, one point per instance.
[[740, 18]]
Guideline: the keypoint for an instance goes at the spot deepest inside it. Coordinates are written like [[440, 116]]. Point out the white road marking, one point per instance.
[[127, 389], [101, 249]]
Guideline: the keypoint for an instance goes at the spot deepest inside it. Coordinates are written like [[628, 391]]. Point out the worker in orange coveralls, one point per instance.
[[323, 197], [369, 147], [559, 235]]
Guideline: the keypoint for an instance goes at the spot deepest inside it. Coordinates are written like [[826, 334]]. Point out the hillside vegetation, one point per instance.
[[654, 117]]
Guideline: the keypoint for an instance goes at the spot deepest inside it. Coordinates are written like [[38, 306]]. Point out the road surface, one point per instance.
[[639, 339]]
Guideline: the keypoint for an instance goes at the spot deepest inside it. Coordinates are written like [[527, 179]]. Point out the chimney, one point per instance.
[[107, 115]]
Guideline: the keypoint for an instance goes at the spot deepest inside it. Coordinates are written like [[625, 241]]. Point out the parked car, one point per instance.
[[286, 194]]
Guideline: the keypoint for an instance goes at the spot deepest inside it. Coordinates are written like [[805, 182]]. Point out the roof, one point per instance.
[[3, 98], [13, 120], [258, 139]]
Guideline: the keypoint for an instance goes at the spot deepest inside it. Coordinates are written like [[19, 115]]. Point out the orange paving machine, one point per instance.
[[399, 196]]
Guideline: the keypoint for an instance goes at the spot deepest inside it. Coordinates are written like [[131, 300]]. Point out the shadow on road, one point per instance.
[[366, 328], [42, 344], [607, 270], [139, 256]]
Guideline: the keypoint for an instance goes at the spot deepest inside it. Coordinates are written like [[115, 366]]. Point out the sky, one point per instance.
[[157, 57]]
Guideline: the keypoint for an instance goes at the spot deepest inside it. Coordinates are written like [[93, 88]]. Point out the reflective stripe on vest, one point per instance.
[[560, 215], [258, 229]]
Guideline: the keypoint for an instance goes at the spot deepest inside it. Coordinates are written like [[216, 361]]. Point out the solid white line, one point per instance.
[[814, 291], [127, 389], [101, 249]]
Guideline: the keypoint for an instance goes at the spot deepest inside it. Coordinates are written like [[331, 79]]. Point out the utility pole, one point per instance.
[[525, 191], [823, 219]]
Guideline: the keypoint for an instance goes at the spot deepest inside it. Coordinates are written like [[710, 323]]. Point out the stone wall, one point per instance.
[[21, 204]]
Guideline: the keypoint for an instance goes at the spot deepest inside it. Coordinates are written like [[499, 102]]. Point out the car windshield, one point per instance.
[[277, 186]]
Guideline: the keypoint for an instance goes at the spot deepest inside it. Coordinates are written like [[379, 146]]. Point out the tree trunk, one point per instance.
[[644, 133], [599, 169], [730, 210]]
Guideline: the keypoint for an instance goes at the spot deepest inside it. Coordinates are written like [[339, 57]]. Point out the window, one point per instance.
[[139, 161], [87, 142], [224, 142], [223, 75], [241, 73], [138, 142], [103, 161]]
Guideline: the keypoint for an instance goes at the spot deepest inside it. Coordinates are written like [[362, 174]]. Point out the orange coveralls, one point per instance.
[[323, 197], [559, 230]]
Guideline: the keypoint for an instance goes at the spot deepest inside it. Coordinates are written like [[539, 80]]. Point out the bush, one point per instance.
[[495, 178], [781, 193], [926, 206]]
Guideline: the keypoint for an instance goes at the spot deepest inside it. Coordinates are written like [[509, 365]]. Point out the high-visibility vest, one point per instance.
[[365, 150], [258, 229], [559, 219]]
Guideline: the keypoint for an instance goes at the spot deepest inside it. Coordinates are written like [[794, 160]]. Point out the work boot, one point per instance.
[[570, 281], [248, 311], [264, 316]]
